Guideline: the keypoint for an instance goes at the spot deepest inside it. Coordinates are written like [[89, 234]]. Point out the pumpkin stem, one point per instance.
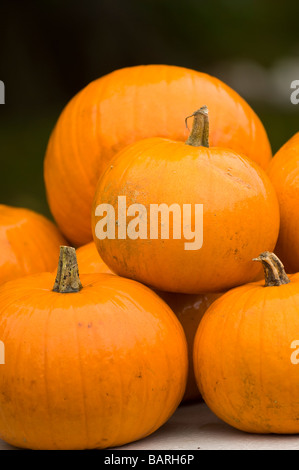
[[275, 274], [67, 278], [199, 136]]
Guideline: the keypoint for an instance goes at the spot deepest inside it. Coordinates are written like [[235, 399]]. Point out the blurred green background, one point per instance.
[[50, 50]]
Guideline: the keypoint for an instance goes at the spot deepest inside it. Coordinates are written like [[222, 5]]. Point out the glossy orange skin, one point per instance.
[[237, 198], [190, 309], [128, 105], [94, 369], [89, 260], [242, 357], [284, 174], [29, 243]]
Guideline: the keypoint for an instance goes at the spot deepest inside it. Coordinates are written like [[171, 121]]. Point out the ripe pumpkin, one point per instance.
[[23, 234], [128, 105], [91, 363], [89, 260], [243, 353], [190, 309], [284, 174], [240, 213]]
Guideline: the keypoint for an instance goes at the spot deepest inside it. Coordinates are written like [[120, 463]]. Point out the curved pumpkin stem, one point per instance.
[[275, 274], [199, 136], [67, 278]]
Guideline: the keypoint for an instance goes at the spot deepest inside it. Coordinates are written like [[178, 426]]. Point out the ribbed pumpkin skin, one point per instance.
[[89, 260], [190, 309], [94, 369], [237, 197], [24, 235], [128, 105], [242, 357], [284, 174]]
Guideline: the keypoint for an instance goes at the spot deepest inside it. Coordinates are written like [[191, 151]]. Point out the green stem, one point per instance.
[[275, 274], [199, 136], [67, 278]]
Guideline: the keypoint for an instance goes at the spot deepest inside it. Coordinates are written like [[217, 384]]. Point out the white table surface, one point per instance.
[[195, 427]]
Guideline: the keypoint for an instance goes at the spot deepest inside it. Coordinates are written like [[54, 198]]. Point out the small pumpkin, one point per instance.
[[128, 105], [243, 352], [190, 309], [240, 213], [89, 260], [94, 362], [23, 234], [283, 172]]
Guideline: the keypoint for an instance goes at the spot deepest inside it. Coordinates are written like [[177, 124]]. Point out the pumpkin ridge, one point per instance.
[[81, 374]]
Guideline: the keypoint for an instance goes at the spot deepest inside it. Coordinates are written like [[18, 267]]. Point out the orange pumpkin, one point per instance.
[[284, 174], [23, 234], [190, 309], [129, 105], [240, 214], [89, 260], [91, 363], [245, 353]]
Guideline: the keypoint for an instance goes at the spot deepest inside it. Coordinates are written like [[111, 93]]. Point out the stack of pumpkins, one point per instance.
[[101, 351]]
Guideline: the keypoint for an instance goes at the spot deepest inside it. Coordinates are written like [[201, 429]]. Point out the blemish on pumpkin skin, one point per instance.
[[5, 397], [236, 420], [89, 325], [237, 179]]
